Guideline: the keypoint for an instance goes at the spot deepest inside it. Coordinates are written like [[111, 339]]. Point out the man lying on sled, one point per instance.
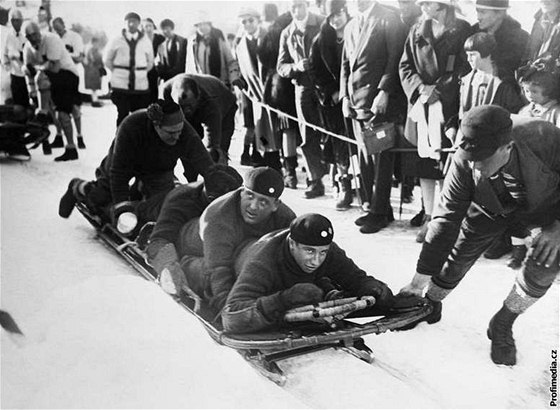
[[295, 267], [147, 146]]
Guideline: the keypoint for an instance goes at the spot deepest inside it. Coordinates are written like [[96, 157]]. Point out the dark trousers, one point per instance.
[[128, 102], [477, 233], [228, 127], [20, 96], [307, 108], [153, 80]]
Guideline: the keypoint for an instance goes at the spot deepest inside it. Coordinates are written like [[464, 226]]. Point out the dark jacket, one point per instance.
[[278, 91], [139, 152], [220, 231], [370, 61], [251, 68], [172, 60], [544, 41], [537, 145], [511, 46], [216, 101], [255, 301], [290, 54], [440, 62]]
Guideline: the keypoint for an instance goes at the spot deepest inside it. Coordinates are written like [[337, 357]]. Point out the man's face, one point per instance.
[[34, 38], [363, 5], [250, 24], [256, 208], [474, 59], [308, 258], [167, 32], [204, 28], [169, 133], [550, 6], [488, 18], [491, 165], [132, 25], [338, 21], [298, 8], [16, 24], [58, 27], [42, 16]]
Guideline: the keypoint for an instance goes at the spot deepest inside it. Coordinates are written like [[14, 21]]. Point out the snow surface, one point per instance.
[[98, 336]]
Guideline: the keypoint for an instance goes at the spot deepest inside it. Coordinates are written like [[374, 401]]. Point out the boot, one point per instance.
[[57, 142], [345, 193], [499, 247], [70, 154], [418, 219], [272, 160], [69, 199], [518, 253], [19, 153], [46, 147], [246, 156], [81, 144], [290, 176], [315, 189], [502, 350]]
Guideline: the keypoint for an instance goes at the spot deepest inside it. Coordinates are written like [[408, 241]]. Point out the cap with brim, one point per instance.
[[333, 7], [132, 15], [265, 181], [312, 230], [492, 4], [248, 12], [485, 129]]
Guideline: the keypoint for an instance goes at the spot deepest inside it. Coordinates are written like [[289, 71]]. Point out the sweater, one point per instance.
[[255, 301], [139, 152]]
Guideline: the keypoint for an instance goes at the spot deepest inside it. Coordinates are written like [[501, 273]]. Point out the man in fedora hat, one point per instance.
[[504, 175]]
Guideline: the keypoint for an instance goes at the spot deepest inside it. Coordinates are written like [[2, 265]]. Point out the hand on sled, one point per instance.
[[123, 217], [172, 279], [405, 303], [416, 286]]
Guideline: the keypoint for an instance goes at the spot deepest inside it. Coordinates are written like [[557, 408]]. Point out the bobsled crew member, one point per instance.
[[147, 146], [504, 175], [181, 205], [210, 246], [295, 267]]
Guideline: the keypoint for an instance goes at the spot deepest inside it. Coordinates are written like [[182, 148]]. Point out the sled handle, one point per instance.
[[298, 315]]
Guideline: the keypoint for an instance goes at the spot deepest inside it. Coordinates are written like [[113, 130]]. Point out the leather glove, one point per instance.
[[301, 294], [384, 297], [239, 83], [172, 278], [330, 290], [123, 217]]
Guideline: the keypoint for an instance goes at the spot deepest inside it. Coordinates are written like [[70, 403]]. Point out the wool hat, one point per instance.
[[165, 112], [248, 12], [132, 15], [485, 128], [492, 4], [220, 180], [312, 230], [334, 6], [265, 181], [167, 23]]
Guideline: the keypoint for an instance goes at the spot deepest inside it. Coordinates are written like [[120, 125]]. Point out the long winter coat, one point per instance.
[[542, 42], [370, 61], [430, 61], [92, 64]]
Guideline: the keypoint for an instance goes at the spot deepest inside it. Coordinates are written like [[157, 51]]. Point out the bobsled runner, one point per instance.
[[307, 329]]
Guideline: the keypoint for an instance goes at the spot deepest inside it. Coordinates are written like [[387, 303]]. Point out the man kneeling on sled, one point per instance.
[[295, 267], [147, 146]]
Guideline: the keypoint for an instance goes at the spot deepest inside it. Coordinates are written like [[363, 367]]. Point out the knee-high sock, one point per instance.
[[518, 301]]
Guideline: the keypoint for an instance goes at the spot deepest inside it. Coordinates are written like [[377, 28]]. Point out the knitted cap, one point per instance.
[[312, 230], [485, 128], [165, 113], [492, 4], [220, 180], [132, 15], [265, 181]]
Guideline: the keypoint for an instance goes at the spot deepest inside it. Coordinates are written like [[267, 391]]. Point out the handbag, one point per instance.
[[378, 137]]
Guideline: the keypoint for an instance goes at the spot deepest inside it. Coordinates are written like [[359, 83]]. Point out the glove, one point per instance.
[[404, 303], [330, 290], [301, 294], [69, 48], [384, 297], [172, 278], [239, 83], [123, 217], [102, 71]]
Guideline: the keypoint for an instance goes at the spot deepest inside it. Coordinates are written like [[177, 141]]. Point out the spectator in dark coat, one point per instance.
[[511, 39], [324, 61], [370, 87], [172, 52], [279, 93], [293, 63], [294, 267], [433, 61], [147, 147], [209, 106], [545, 35]]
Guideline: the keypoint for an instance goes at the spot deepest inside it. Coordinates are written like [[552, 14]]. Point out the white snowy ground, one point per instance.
[[98, 336]]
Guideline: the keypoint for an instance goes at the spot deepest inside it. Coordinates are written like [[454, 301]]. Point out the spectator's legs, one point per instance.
[[289, 144], [122, 103]]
